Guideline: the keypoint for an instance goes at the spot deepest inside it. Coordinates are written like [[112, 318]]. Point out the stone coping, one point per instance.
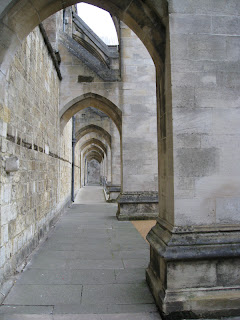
[[138, 197]]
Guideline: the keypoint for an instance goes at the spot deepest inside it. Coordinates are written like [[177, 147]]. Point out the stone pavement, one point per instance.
[[90, 267]]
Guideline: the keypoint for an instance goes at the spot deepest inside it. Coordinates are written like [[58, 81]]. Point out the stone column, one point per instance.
[[109, 164], [116, 158], [139, 197], [113, 186], [195, 246]]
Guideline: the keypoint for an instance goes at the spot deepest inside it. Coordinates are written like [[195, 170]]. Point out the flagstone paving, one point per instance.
[[92, 266]]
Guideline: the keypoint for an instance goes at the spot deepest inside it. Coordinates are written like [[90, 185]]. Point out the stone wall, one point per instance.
[[93, 172], [195, 246], [31, 197], [77, 168], [205, 86]]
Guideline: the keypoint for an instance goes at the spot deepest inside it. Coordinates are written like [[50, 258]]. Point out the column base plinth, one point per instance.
[[194, 274]]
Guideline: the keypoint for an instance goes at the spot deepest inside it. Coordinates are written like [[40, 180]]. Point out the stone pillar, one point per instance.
[[116, 159], [113, 185], [195, 246], [139, 197], [82, 170], [106, 165], [109, 164], [85, 172]]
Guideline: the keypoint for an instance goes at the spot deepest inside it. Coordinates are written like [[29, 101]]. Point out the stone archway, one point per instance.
[[91, 154], [194, 233], [112, 111], [93, 128], [96, 142], [98, 136], [93, 148], [19, 18], [91, 100]]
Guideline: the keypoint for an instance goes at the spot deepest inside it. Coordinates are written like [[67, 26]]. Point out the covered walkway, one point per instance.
[[91, 267]]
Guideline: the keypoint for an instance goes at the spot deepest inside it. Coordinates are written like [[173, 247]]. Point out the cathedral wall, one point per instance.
[[32, 196]]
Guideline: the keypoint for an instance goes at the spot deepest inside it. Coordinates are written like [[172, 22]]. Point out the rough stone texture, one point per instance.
[[31, 197], [12, 164], [93, 172], [207, 66], [136, 206], [198, 183]]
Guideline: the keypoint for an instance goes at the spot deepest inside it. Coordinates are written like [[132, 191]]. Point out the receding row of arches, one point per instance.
[[196, 207], [94, 141]]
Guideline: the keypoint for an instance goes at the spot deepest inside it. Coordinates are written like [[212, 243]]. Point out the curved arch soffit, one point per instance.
[[96, 148], [93, 135], [92, 148], [91, 100], [98, 159], [93, 128], [95, 155], [96, 142], [147, 19]]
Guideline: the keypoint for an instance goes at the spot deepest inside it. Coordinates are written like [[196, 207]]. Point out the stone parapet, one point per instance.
[[138, 206]]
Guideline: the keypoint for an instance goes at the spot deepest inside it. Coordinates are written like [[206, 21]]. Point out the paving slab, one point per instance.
[[132, 254], [91, 266], [116, 294], [93, 276], [44, 295], [136, 275], [26, 317], [104, 308], [135, 263], [123, 316], [95, 264], [25, 310], [45, 277]]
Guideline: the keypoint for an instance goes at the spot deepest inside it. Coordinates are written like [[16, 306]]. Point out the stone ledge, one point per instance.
[[138, 206], [114, 188], [194, 245], [138, 197]]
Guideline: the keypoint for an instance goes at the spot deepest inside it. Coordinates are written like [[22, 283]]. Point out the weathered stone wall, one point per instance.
[[32, 196], [93, 172], [77, 168], [139, 140], [66, 165], [195, 244], [116, 156], [204, 42]]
